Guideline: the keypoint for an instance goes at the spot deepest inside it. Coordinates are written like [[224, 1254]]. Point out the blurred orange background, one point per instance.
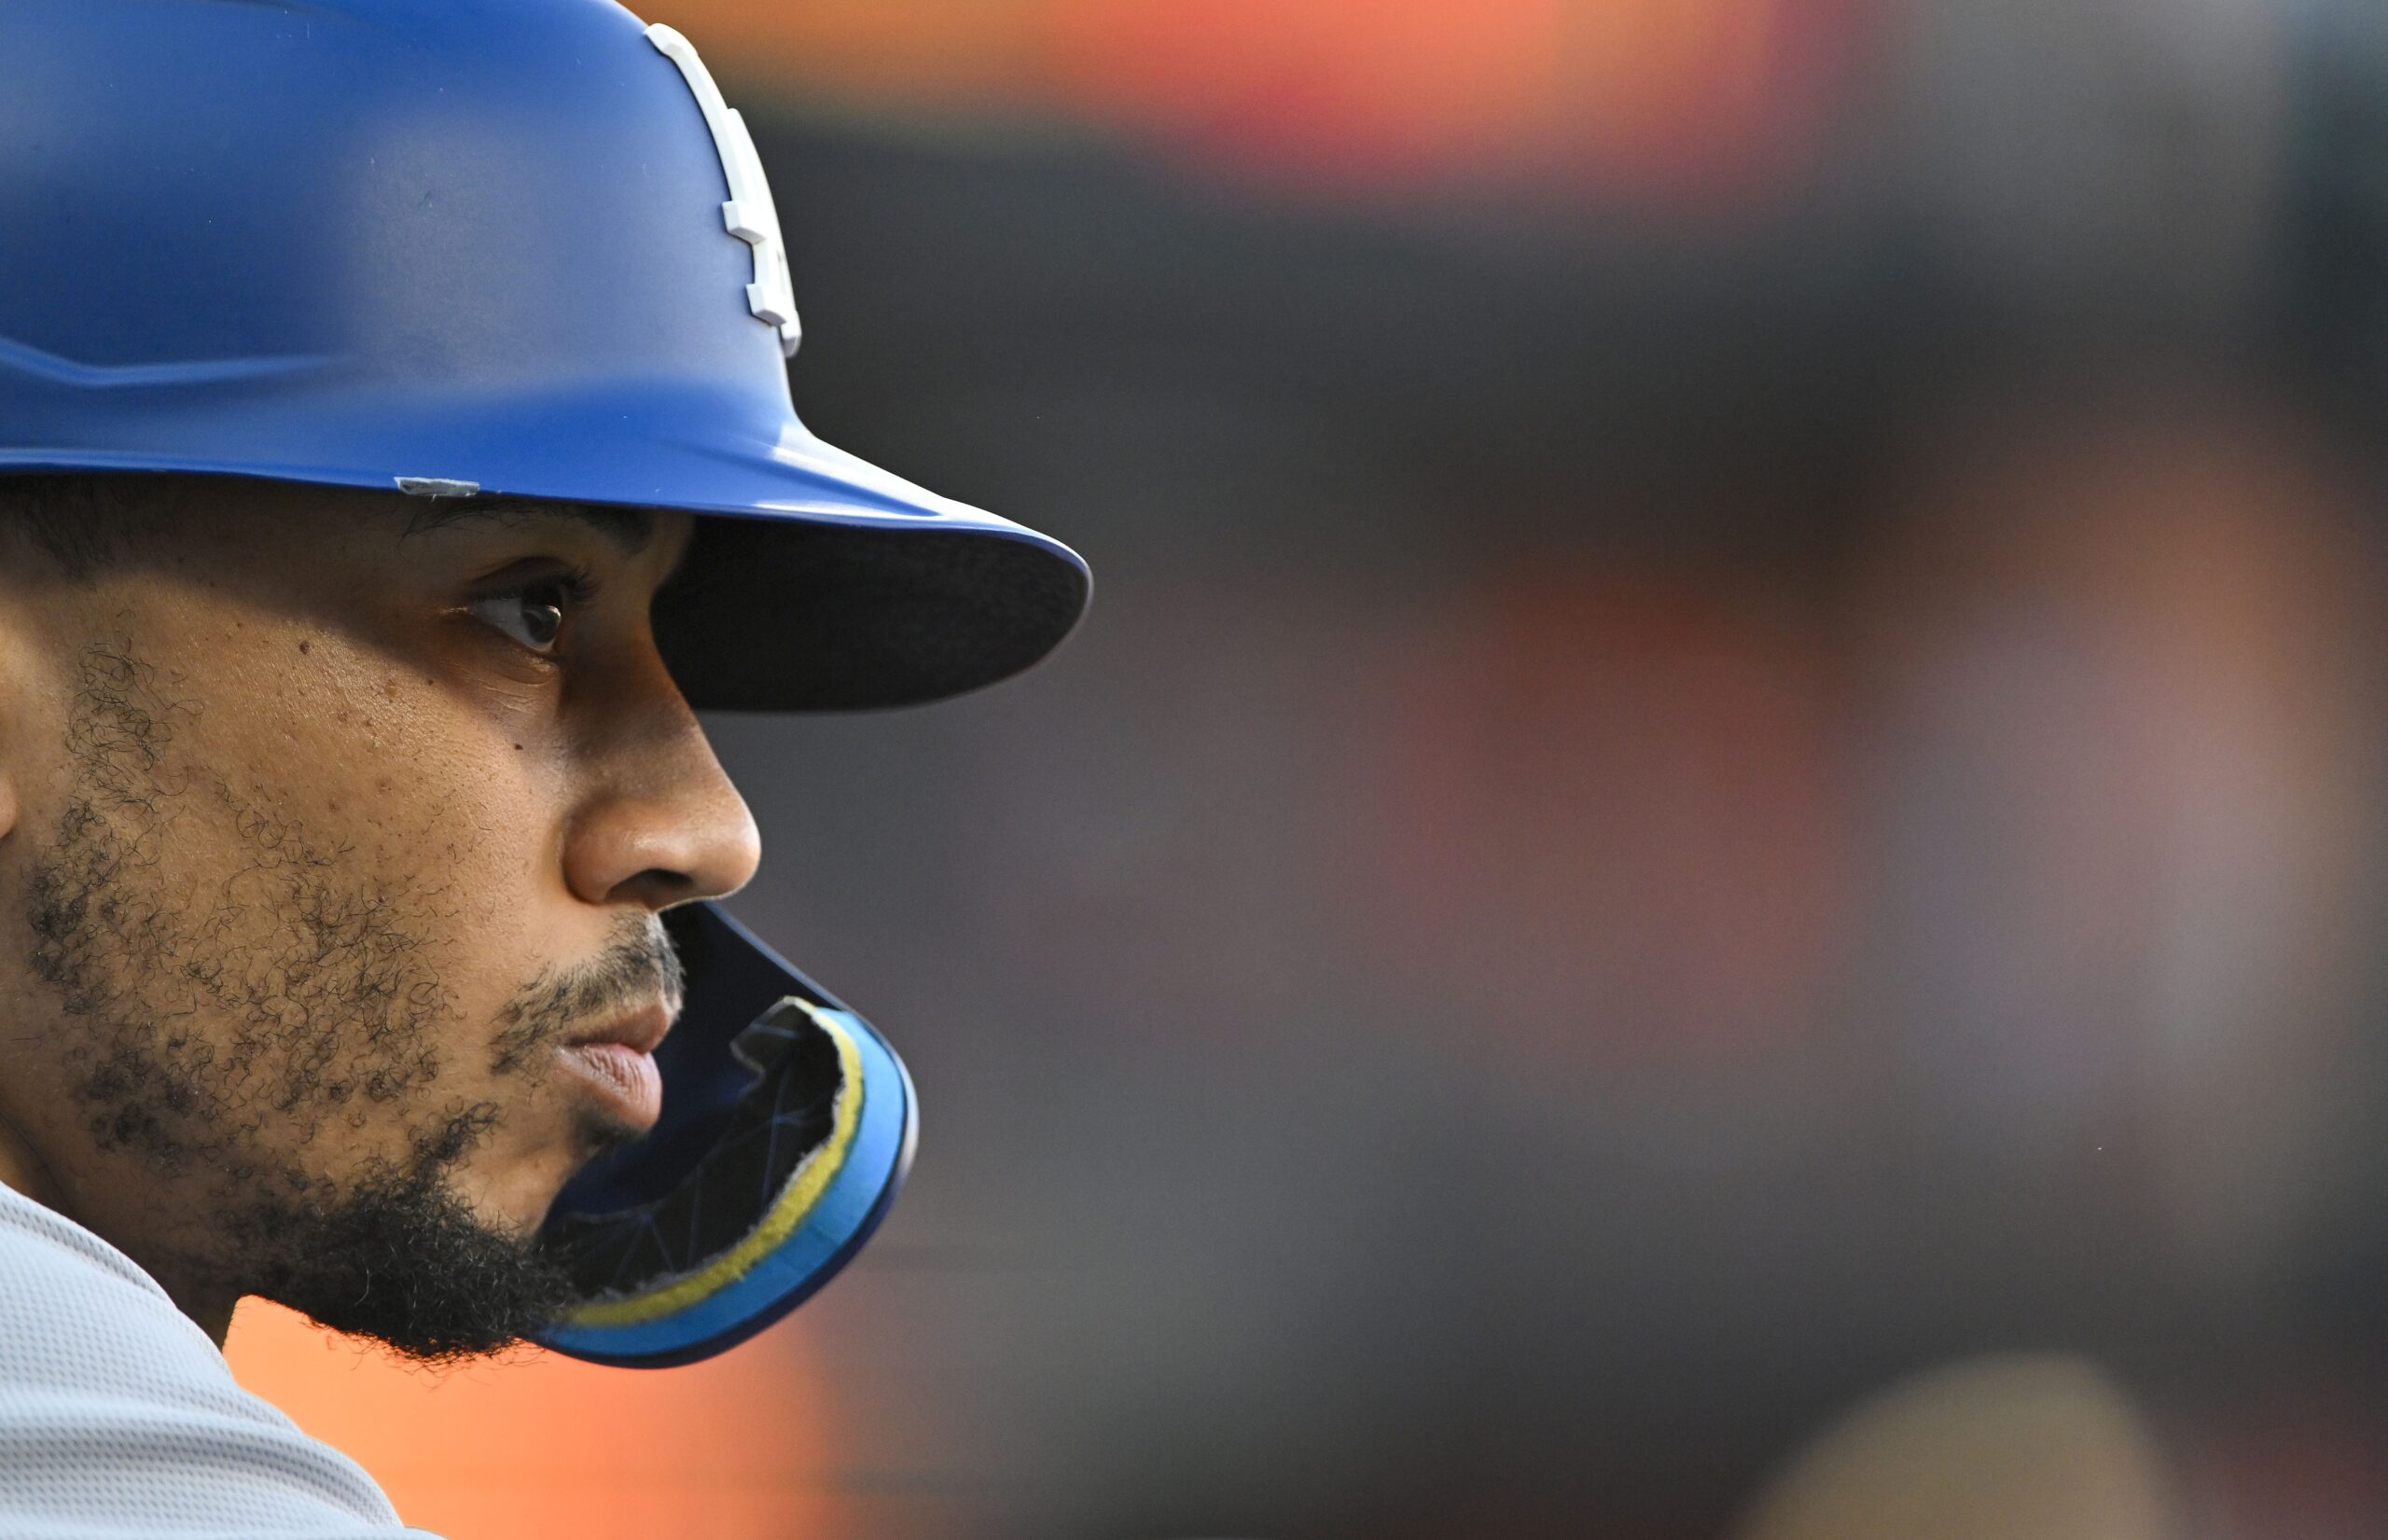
[[1632, 93], [536, 1444]]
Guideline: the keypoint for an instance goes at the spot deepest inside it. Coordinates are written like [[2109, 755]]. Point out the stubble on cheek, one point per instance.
[[253, 1050], [242, 986]]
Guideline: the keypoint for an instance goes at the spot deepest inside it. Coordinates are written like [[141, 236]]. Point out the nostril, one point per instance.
[[660, 885]]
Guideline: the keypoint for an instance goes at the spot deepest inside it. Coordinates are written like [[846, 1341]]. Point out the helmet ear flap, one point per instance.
[[788, 1126]]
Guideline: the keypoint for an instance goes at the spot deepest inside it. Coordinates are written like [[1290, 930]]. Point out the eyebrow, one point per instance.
[[630, 530]]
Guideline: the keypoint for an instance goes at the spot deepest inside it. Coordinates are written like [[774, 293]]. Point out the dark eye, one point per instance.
[[532, 614]]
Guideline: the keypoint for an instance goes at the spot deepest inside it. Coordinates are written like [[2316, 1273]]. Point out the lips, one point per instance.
[[639, 1032], [618, 1062], [622, 1075]]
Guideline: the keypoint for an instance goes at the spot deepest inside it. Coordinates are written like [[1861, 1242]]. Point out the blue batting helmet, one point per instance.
[[516, 248], [519, 248]]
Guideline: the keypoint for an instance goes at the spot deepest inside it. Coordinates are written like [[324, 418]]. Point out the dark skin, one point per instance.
[[302, 795]]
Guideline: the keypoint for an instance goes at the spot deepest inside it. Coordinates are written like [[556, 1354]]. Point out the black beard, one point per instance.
[[338, 1013], [400, 1258]]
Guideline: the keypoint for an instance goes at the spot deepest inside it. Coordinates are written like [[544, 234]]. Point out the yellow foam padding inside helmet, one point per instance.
[[795, 1202]]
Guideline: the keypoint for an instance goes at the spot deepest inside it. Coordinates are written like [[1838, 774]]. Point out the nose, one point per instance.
[[662, 825]]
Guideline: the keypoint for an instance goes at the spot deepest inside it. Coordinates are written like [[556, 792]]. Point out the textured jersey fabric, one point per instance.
[[119, 1420]]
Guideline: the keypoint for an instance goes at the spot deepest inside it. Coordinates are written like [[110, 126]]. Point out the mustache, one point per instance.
[[635, 965]]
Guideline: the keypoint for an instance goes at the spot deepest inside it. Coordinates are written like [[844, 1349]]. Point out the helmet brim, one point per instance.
[[789, 614], [816, 582]]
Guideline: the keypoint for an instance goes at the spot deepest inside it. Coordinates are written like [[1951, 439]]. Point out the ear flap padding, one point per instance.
[[788, 1139]]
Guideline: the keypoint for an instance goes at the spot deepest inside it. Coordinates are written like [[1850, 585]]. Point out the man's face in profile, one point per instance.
[[332, 838]]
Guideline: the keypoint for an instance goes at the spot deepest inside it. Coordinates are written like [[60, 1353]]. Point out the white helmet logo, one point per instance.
[[750, 212]]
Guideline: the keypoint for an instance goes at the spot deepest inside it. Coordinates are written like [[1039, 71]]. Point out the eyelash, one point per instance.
[[577, 587]]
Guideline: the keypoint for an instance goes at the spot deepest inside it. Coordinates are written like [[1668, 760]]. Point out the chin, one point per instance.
[[518, 1199]]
